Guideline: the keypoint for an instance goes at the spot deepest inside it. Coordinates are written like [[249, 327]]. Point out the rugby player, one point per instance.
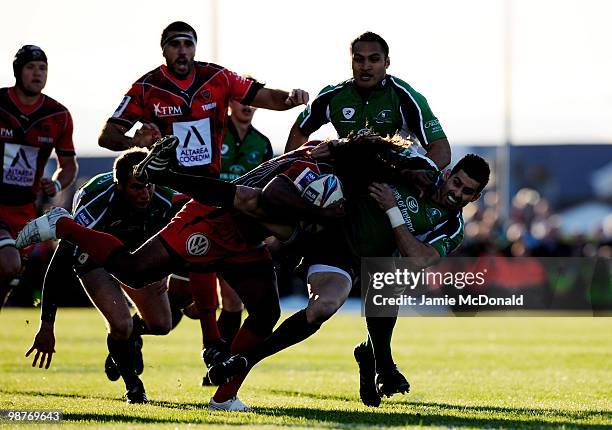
[[377, 101], [189, 99], [133, 211], [32, 125], [432, 228]]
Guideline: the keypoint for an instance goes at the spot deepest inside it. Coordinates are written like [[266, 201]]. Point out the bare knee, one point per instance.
[[160, 327], [322, 309], [120, 328]]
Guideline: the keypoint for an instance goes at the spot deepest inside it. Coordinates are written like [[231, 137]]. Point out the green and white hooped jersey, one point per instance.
[[95, 205], [370, 234], [392, 107]]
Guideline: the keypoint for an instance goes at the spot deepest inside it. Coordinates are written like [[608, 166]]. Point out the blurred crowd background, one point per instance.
[[559, 205]]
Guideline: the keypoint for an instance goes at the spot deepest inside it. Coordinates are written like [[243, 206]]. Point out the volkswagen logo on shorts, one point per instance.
[[197, 244]]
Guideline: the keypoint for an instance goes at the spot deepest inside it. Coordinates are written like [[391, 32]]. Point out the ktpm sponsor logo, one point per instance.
[[6, 132], [165, 111], [197, 244]]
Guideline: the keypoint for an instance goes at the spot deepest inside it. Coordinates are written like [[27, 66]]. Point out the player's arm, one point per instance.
[[280, 200], [439, 151], [424, 255], [296, 138], [44, 341], [62, 177], [278, 99], [113, 136]]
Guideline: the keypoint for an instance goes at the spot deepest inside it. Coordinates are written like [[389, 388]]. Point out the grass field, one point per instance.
[[465, 373]]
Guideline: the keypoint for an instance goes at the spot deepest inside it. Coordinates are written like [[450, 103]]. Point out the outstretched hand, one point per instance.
[[44, 345]]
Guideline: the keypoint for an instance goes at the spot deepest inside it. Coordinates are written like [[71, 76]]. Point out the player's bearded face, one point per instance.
[[179, 55], [458, 190], [34, 77], [369, 64]]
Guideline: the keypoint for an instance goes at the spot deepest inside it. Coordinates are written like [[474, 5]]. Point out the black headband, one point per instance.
[[178, 36]]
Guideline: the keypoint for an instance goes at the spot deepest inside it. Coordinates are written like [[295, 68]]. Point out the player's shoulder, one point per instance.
[[332, 89], [98, 183], [260, 134], [402, 86], [151, 76], [52, 105], [206, 66]]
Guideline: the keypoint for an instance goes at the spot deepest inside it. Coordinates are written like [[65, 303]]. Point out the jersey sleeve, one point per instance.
[[131, 108], [91, 201], [417, 116], [317, 114], [64, 147], [241, 88], [447, 237]]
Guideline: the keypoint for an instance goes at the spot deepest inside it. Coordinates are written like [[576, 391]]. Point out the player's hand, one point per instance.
[[321, 151], [383, 195], [422, 180], [48, 187], [296, 98], [44, 344], [146, 135]]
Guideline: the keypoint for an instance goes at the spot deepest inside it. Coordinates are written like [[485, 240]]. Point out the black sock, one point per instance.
[[293, 330], [380, 331], [123, 352], [139, 327], [229, 324], [205, 190]]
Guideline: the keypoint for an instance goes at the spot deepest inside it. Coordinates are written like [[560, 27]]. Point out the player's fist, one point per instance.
[[146, 135], [49, 187], [297, 97]]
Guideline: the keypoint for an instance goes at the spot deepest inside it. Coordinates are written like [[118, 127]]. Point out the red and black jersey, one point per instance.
[[194, 110], [28, 134]]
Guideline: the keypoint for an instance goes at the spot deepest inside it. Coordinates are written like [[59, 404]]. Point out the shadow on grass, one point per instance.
[[440, 414], [418, 413]]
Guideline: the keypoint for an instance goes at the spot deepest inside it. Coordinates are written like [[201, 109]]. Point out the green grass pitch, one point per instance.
[[509, 373]]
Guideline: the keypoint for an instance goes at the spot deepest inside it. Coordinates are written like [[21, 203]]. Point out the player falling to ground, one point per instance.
[[330, 295], [189, 99], [333, 256], [133, 211], [377, 101], [32, 125]]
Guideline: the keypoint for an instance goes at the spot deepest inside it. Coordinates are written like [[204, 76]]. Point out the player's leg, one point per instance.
[[231, 311], [151, 262], [328, 289], [255, 284], [106, 295], [10, 263]]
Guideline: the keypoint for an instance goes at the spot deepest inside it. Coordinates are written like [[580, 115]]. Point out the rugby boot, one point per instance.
[[391, 381], [110, 368], [367, 373], [217, 352], [161, 154], [136, 393], [40, 229], [224, 372], [233, 404]]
